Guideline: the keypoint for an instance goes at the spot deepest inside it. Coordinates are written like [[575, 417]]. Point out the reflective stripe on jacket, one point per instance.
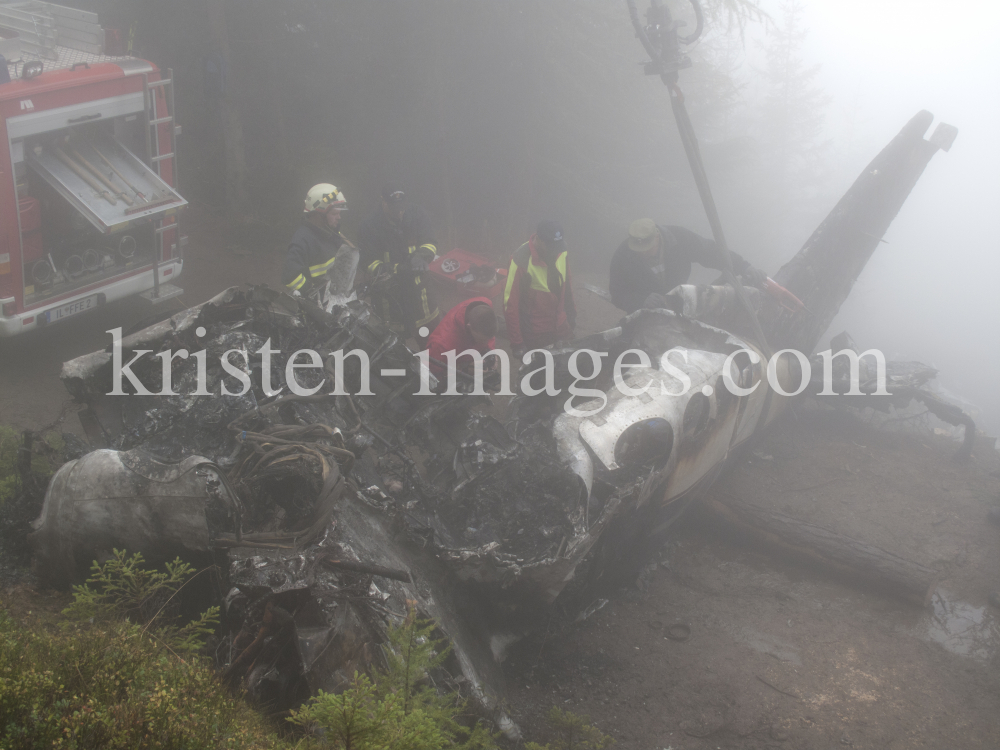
[[385, 245], [310, 254], [538, 304]]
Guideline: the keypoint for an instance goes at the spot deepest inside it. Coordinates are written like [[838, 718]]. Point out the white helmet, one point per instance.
[[323, 195]]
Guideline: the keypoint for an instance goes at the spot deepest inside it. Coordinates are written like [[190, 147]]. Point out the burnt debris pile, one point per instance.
[[454, 473], [518, 495]]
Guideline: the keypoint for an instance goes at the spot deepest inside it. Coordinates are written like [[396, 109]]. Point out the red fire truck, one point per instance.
[[88, 209]]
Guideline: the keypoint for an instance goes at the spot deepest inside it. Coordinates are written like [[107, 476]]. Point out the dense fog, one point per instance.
[[497, 115], [222, 266], [930, 293]]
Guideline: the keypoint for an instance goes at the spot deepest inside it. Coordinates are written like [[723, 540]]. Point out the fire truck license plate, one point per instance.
[[58, 313]]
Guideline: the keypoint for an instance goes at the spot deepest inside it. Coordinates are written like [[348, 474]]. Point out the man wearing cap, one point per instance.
[[538, 300], [396, 244], [654, 259], [316, 242]]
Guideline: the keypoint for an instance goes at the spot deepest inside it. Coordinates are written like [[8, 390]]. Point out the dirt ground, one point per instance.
[[778, 656], [785, 657]]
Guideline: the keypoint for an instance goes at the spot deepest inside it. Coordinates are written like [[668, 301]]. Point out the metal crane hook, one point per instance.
[[661, 40]]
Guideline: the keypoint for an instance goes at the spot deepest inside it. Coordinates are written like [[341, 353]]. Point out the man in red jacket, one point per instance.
[[471, 324], [538, 300]]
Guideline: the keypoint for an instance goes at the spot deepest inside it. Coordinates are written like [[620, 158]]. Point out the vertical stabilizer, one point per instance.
[[823, 272]]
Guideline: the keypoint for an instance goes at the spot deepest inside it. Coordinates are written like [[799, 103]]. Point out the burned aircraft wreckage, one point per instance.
[[332, 514]]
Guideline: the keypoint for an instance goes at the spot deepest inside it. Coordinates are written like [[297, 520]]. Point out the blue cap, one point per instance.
[[550, 232]]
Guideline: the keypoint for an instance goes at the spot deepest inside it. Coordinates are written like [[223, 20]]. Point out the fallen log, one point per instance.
[[826, 549]]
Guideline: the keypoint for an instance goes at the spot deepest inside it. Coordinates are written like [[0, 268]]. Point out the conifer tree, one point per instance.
[[790, 128]]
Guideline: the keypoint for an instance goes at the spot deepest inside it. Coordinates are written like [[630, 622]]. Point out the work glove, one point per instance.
[[656, 301], [420, 259], [312, 287], [754, 276]]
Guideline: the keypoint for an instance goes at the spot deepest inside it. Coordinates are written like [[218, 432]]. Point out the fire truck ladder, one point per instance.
[[155, 156]]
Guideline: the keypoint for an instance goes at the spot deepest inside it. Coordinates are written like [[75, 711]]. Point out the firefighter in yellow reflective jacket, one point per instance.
[[538, 300], [396, 246], [315, 244]]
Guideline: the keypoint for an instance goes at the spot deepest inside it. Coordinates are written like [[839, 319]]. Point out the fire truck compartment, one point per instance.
[[111, 291], [102, 180]]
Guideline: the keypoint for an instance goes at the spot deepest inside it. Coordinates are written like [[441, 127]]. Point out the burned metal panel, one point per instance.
[[108, 500], [823, 272]]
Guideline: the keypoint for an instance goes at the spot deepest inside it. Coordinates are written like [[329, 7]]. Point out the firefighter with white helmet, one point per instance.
[[316, 242]]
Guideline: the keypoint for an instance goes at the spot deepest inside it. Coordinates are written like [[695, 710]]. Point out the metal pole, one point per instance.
[[175, 161], [145, 104], [690, 142], [667, 37]]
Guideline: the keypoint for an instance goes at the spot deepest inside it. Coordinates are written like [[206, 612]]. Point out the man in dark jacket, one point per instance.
[[538, 299], [654, 259], [315, 244], [396, 245]]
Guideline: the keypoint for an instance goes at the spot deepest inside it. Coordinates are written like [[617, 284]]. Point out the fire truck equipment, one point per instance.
[[105, 218], [141, 196], [31, 70], [90, 207], [64, 158], [126, 247], [74, 266], [100, 176], [41, 272], [91, 260]]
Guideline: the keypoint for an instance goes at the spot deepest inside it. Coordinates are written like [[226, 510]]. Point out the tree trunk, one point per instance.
[[826, 549], [237, 177]]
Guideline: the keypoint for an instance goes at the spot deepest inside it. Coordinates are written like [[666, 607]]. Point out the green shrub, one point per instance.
[[122, 590], [123, 674], [111, 686], [402, 709], [119, 681], [572, 732]]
